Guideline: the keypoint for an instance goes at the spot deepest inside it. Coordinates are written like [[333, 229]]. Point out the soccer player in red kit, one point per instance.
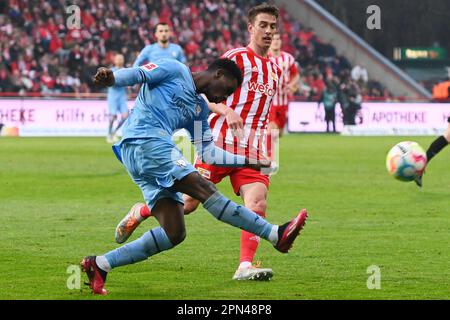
[[252, 102], [287, 86]]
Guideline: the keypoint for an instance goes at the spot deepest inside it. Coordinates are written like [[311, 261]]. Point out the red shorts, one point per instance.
[[278, 115], [238, 176]]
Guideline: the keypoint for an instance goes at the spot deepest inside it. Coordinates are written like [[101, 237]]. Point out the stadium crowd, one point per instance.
[[39, 54]]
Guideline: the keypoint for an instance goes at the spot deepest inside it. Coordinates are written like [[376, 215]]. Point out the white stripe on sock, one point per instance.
[[273, 236], [103, 263]]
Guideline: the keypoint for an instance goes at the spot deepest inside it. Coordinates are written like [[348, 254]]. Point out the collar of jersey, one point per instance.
[[253, 52]]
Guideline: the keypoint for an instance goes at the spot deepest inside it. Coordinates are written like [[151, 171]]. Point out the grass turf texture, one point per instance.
[[60, 199]]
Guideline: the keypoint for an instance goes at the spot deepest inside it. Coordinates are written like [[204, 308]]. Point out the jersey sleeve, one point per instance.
[[181, 57], [208, 152], [142, 57], [155, 73], [293, 70]]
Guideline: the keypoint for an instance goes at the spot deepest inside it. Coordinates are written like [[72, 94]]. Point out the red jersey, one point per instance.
[[286, 62], [251, 101]]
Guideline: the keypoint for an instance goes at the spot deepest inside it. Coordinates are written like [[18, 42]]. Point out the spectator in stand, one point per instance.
[[441, 91], [355, 102], [329, 98], [204, 29], [317, 86], [360, 74]]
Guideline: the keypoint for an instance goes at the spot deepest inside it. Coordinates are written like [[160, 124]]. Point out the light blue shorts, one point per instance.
[[154, 164]]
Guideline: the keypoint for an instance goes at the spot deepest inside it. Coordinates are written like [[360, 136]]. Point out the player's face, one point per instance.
[[162, 33], [220, 88], [276, 42], [118, 60], [262, 30]]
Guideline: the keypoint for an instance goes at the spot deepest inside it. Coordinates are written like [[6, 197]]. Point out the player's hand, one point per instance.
[[104, 77], [292, 88], [258, 165], [235, 123]]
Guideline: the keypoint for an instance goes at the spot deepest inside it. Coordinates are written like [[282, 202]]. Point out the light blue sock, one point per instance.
[[227, 211], [151, 243]]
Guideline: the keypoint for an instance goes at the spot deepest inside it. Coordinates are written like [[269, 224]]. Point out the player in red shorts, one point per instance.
[[287, 86], [252, 102]]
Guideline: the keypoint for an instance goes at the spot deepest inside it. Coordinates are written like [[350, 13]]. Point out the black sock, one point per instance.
[[103, 273], [436, 147]]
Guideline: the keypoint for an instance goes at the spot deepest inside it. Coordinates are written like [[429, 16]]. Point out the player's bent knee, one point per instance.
[[256, 204], [203, 189], [190, 205], [176, 237], [195, 186]]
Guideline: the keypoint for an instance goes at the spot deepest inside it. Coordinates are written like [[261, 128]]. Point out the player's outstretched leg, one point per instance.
[[96, 276], [172, 232], [435, 147], [223, 209]]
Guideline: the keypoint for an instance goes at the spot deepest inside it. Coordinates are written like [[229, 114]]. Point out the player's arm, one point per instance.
[[141, 58], [181, 57], [150, 73], [233, 119], [123, 77], [293, 84], [209, 153]]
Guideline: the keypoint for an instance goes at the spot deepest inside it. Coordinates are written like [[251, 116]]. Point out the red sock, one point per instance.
[[249, 243], [269, 145], [145, 212]]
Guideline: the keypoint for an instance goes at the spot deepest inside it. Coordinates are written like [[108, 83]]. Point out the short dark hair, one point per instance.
[[262, 8], [159, 24], [230, 68]]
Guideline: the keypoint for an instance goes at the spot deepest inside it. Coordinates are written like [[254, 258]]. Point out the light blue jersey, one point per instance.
[[167, 101], [154, 52], [117, 99]]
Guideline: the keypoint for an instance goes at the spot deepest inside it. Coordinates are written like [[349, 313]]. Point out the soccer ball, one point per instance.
[[406, 160]]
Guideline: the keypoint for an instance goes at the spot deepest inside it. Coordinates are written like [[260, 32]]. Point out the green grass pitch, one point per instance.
[[61, 198]]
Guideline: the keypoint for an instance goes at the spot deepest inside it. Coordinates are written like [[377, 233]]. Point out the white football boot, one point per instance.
[[253, 273]]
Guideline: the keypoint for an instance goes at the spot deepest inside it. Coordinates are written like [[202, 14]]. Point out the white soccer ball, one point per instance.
[[406, 160]]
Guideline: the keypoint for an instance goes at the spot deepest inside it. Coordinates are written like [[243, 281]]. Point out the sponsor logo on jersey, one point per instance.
[[198, 110], [181, 163], [204, 173], [261, 88], [150, 66]]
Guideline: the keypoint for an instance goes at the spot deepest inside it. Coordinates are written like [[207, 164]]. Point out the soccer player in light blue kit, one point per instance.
[[169, 99], [117, 103], [161, 49], [164, 49]]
